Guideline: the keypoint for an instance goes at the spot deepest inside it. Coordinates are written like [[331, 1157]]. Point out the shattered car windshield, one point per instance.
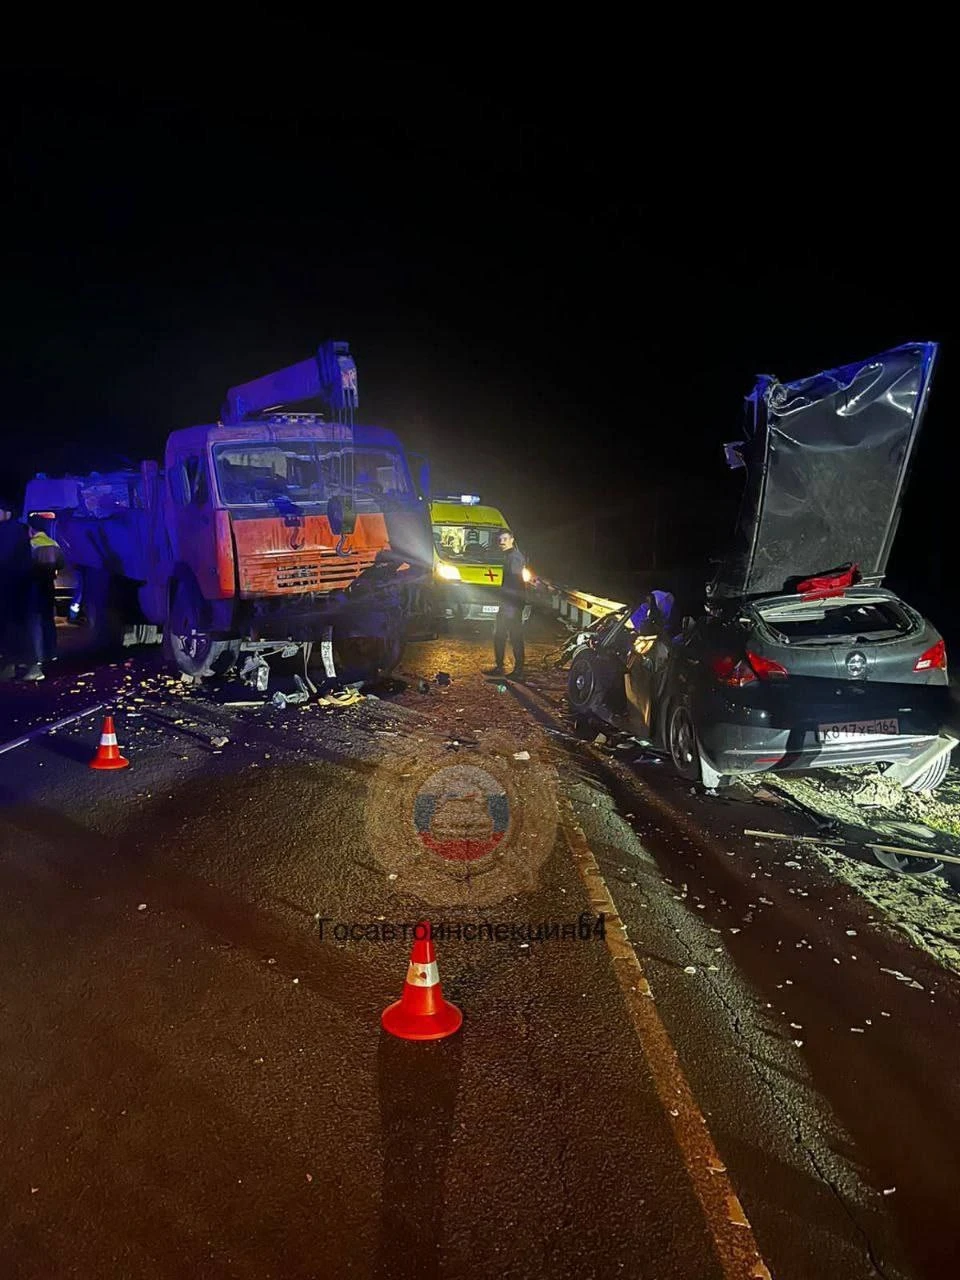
[[305, 471]]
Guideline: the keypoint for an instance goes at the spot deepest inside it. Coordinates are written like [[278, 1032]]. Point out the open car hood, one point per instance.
[[826, 460]]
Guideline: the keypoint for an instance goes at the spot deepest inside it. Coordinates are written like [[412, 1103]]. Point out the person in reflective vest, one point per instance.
[[14, 588], [46, 562]]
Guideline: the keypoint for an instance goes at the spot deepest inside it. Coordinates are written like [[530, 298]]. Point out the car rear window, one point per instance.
[[844, 618]]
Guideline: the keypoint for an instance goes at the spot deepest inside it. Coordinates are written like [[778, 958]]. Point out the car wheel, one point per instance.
[[682, 742], [583, 684], [932, 777]]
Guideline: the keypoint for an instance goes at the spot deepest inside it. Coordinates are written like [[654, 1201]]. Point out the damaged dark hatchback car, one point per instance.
[[801, 659]]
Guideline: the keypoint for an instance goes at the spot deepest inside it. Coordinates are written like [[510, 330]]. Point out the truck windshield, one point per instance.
[[305, 471], [471, 543]]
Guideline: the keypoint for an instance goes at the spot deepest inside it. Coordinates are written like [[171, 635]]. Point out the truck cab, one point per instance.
[[272, 523], [467, 559]]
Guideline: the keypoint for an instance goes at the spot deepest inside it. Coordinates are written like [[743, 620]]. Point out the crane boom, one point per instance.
[[331, 374]]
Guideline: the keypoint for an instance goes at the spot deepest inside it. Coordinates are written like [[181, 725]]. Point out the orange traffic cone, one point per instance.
[[421, 1013], [108, 753]]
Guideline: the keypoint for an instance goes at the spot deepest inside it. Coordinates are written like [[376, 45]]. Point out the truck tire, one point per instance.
[[366, 658], [194, 651], [102, 614], [392, 653]]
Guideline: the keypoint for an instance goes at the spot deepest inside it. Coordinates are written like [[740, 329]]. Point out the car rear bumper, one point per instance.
[[737, 748]]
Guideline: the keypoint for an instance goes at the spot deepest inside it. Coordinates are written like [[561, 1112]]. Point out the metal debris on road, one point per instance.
[[902, 977], [346, 699]]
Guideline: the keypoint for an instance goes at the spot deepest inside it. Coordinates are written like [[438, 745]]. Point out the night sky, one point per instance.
[[560, 296]]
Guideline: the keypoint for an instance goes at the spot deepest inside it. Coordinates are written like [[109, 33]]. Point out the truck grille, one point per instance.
[[266, 575], [299, 577]]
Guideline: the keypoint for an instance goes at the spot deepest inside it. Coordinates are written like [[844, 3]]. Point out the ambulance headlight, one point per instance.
[[449, 572]]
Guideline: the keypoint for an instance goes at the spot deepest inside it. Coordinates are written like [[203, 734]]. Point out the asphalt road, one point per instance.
[[194, 1082]]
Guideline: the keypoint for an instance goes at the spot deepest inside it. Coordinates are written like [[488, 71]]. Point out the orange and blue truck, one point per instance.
[[269, 530]]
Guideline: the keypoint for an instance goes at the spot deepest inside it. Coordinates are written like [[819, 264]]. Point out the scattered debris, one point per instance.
[[443, 677], [521, 755], [902, 977], [345, 699], [256, 671]]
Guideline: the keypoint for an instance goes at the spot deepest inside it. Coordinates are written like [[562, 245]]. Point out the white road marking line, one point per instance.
[[732, 1234], [48, 728]]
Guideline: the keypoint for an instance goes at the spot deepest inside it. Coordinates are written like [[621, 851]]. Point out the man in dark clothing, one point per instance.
[[47, 562], [510, 615], [15, 569]]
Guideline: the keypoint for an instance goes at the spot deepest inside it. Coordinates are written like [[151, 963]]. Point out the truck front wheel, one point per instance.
[[192, 648]]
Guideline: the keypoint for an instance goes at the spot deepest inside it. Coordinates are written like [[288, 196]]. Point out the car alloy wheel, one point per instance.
[[682, 740]]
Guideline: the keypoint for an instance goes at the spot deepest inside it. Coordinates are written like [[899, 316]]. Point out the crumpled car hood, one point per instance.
[[826, 458]]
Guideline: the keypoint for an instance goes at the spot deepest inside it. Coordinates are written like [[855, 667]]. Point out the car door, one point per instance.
[[640, 679]]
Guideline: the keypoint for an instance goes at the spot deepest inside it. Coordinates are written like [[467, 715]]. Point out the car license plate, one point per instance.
[[854, 730], [491, 608]]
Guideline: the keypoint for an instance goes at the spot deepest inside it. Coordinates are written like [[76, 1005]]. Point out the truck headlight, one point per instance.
[[450, 572]]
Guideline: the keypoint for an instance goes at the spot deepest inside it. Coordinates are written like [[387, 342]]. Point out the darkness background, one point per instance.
[[559, 288]]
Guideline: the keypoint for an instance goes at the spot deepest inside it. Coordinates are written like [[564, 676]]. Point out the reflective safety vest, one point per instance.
[[45, 551]]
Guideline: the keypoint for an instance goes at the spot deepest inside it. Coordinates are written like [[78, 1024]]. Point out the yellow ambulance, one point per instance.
[[467, 559]]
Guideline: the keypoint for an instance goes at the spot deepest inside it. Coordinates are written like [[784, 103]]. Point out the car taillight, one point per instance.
[[736, 673], [766, 668], [934, 658], [729, 671]]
